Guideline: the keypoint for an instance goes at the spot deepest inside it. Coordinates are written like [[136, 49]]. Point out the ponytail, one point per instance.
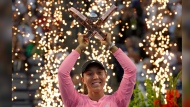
[[85, 90]]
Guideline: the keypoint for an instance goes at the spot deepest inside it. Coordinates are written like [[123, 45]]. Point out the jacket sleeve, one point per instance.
[[69, 94], [123, 95]]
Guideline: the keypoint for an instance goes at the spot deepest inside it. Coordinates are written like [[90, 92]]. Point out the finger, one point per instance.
[[86, 40], [103, 42], [81, 35], [108, 34]]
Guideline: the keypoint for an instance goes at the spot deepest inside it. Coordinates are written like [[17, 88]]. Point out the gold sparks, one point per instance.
[[158, 42]]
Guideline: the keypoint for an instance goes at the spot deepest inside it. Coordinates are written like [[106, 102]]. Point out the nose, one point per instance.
[[95, 76]]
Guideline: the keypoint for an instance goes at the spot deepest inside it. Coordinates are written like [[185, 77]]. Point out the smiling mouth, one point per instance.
[[96, 83]]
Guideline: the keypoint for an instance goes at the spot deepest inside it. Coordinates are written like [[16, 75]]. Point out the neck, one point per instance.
[[95, 96]]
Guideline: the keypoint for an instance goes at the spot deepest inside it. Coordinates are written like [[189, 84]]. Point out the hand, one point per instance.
[[107, 41], [83, 43]]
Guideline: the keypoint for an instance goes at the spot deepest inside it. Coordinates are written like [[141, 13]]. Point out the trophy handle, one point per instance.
[[106, 15], [79, 17]]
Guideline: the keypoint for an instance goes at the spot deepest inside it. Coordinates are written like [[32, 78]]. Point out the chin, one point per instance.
[[97, 89]]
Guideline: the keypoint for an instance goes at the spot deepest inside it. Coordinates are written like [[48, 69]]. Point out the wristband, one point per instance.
[[112, 44]]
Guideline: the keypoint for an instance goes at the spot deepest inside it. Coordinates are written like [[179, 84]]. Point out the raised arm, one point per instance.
[[123, 95], [69, 94], [125, 90]]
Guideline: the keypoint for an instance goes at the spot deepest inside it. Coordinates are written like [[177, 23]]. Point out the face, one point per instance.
[[94, 78], [128, 42]]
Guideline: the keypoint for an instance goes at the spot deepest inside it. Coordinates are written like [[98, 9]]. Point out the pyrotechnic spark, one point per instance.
[[158, 43]]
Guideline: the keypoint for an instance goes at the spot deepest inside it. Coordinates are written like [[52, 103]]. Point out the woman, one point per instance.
[[94, 77]]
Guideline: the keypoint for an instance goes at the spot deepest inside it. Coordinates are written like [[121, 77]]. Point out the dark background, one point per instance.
[[5, 53]]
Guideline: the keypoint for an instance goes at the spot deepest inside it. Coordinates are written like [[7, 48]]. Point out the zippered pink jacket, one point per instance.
[[121, 98]]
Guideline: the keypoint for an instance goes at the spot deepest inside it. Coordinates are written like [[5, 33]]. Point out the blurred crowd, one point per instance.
[[29, 27], [27, 20]]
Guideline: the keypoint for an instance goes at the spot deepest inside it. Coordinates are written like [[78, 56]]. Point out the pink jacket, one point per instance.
[[121, 98]]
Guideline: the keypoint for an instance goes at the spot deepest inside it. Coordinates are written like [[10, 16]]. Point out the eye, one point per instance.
[[89, 74], [99, 72]]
